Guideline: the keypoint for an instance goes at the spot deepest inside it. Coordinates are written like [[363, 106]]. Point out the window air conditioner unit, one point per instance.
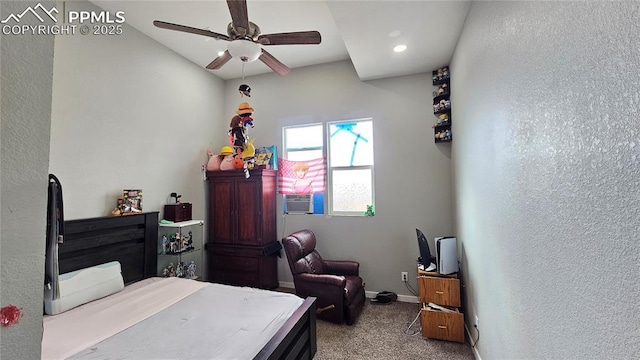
[[299, 204]]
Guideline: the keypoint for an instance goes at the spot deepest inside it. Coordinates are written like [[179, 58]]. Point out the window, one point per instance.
[[350, 166], [303, 142], [349, 154]]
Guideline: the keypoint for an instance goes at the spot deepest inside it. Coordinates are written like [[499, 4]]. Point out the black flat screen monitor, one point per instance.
[[426, 260]]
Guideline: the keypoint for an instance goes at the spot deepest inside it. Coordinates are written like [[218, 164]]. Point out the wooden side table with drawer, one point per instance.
[[443, 290]]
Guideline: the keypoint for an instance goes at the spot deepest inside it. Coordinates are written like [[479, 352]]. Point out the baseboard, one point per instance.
[[401, 298], [408, 299], [286, 284], [476, 354], [368, 294]]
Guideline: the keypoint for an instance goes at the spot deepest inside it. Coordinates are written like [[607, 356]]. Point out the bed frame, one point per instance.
[[132, 240]]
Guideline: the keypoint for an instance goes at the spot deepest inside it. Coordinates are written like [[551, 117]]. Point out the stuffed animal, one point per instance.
[[214, 161], [239, 123], [227, 158], [246, 120], [237, 162], [445, 72], [227, 163], [442, 89], [370, 211], [249, 150], [237, 133], [244, 90]]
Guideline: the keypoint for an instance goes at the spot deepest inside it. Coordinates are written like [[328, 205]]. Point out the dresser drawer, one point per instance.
[[442, 325], [217, 250], [235, 263], [236, 278], [439, 290]]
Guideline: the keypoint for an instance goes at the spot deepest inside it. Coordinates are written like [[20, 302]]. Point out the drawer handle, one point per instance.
[[442, 327], [439, 292]]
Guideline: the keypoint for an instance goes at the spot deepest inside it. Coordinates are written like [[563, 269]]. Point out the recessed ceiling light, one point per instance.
[[400, 48]]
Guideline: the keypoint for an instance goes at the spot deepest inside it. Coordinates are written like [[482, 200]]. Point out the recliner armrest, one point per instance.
[[327, 279], [345, 268]]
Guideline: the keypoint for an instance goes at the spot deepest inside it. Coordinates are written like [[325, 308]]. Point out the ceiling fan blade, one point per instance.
[[273, 63], [189, 29], [291, 38], [219, 61], [239, 15]]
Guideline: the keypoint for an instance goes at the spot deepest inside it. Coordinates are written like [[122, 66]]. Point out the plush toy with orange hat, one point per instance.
[[239, 123]]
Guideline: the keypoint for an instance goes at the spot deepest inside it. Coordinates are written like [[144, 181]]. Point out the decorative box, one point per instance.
[[177, 212]]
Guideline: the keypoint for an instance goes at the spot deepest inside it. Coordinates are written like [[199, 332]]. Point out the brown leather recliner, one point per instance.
[[336, 284]]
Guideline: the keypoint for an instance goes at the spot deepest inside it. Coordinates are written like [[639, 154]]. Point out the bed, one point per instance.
[[131, 241]]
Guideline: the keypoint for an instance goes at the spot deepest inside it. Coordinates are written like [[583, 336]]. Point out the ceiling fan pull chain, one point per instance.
[[243, 91]]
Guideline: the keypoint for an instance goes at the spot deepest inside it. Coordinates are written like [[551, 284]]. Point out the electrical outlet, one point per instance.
[[475, 321], [405, 276]]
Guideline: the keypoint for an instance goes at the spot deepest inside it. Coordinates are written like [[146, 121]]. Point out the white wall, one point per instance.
[[129, 113], [25, 87], [412, 173], [546, 161]]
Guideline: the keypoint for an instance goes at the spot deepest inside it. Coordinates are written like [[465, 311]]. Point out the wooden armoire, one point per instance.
[[242, 245]]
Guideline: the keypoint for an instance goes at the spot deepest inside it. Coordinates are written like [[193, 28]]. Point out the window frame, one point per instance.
[[329, 196]]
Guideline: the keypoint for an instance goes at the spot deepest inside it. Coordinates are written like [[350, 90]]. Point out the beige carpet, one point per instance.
[[379, 333]]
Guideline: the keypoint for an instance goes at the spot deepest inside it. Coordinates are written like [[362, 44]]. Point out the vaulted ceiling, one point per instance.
[[364, 31]]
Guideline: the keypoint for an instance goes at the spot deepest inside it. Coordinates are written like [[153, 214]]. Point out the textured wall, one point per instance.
[[546, 156], [412, 176], [25, 73]]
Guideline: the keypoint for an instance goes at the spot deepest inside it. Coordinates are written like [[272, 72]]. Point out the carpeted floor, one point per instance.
[[381, 333]]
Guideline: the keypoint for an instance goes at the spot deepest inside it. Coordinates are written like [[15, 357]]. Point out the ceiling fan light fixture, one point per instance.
[[244, 50]]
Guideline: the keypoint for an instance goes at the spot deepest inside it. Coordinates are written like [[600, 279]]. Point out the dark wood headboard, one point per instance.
[[131, 240]]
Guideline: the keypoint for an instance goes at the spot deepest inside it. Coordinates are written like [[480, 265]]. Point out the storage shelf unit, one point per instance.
[[442, 105], [179, 247]]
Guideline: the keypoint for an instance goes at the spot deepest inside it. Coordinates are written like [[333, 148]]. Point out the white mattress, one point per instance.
[[154, 319]]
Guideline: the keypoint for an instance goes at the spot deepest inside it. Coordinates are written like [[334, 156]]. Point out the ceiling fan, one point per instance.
[[245, 39]]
